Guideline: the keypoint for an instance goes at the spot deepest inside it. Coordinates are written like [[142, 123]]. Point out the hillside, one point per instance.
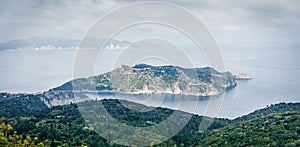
[[20, 104], [277, 129], [272, 109], [145, 79], [63, 125]]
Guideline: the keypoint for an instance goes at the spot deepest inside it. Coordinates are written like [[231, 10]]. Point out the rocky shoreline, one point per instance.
[[242, 76]]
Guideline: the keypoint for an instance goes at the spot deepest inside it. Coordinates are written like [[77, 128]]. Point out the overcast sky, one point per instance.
[[265, 23]]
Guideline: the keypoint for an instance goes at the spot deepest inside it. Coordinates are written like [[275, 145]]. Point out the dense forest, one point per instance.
[[275, 125]]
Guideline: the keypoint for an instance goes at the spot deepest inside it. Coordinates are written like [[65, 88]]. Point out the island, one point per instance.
[[143, 79]]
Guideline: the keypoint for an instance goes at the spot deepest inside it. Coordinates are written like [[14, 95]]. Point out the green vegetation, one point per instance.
[[278, 129], [272, 109], [139, 82], [159, 79], [64, 125], [57, 126], [9, 137], [275, 125], [19, 104]]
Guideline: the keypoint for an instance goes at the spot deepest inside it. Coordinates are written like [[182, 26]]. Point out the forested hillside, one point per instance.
[[277, 129], [64, 126]]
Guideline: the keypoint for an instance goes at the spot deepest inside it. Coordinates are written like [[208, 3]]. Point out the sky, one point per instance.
[[233, 23]]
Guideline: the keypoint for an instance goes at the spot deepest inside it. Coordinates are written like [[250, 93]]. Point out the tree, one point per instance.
[[8, 137]]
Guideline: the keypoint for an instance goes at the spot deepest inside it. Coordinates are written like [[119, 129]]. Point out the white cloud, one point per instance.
[[22, 19]]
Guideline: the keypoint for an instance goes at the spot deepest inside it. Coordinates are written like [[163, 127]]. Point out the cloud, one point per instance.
[[53, 18], [269, 22], [228, 20]]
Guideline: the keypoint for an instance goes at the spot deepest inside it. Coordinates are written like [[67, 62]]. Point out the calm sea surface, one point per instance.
[[275, 72]]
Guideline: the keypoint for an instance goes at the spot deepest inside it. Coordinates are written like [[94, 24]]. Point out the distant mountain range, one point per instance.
[[43, 43]]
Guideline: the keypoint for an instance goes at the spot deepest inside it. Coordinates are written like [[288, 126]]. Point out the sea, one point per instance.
[[275, 73]]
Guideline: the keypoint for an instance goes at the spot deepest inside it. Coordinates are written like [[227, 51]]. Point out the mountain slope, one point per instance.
[[64, 125], [277, 129], [147, 79], [20, 104], [272, 109]]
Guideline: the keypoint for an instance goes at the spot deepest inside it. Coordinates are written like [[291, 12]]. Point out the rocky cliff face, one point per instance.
[[147, 79], [170, 80]]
